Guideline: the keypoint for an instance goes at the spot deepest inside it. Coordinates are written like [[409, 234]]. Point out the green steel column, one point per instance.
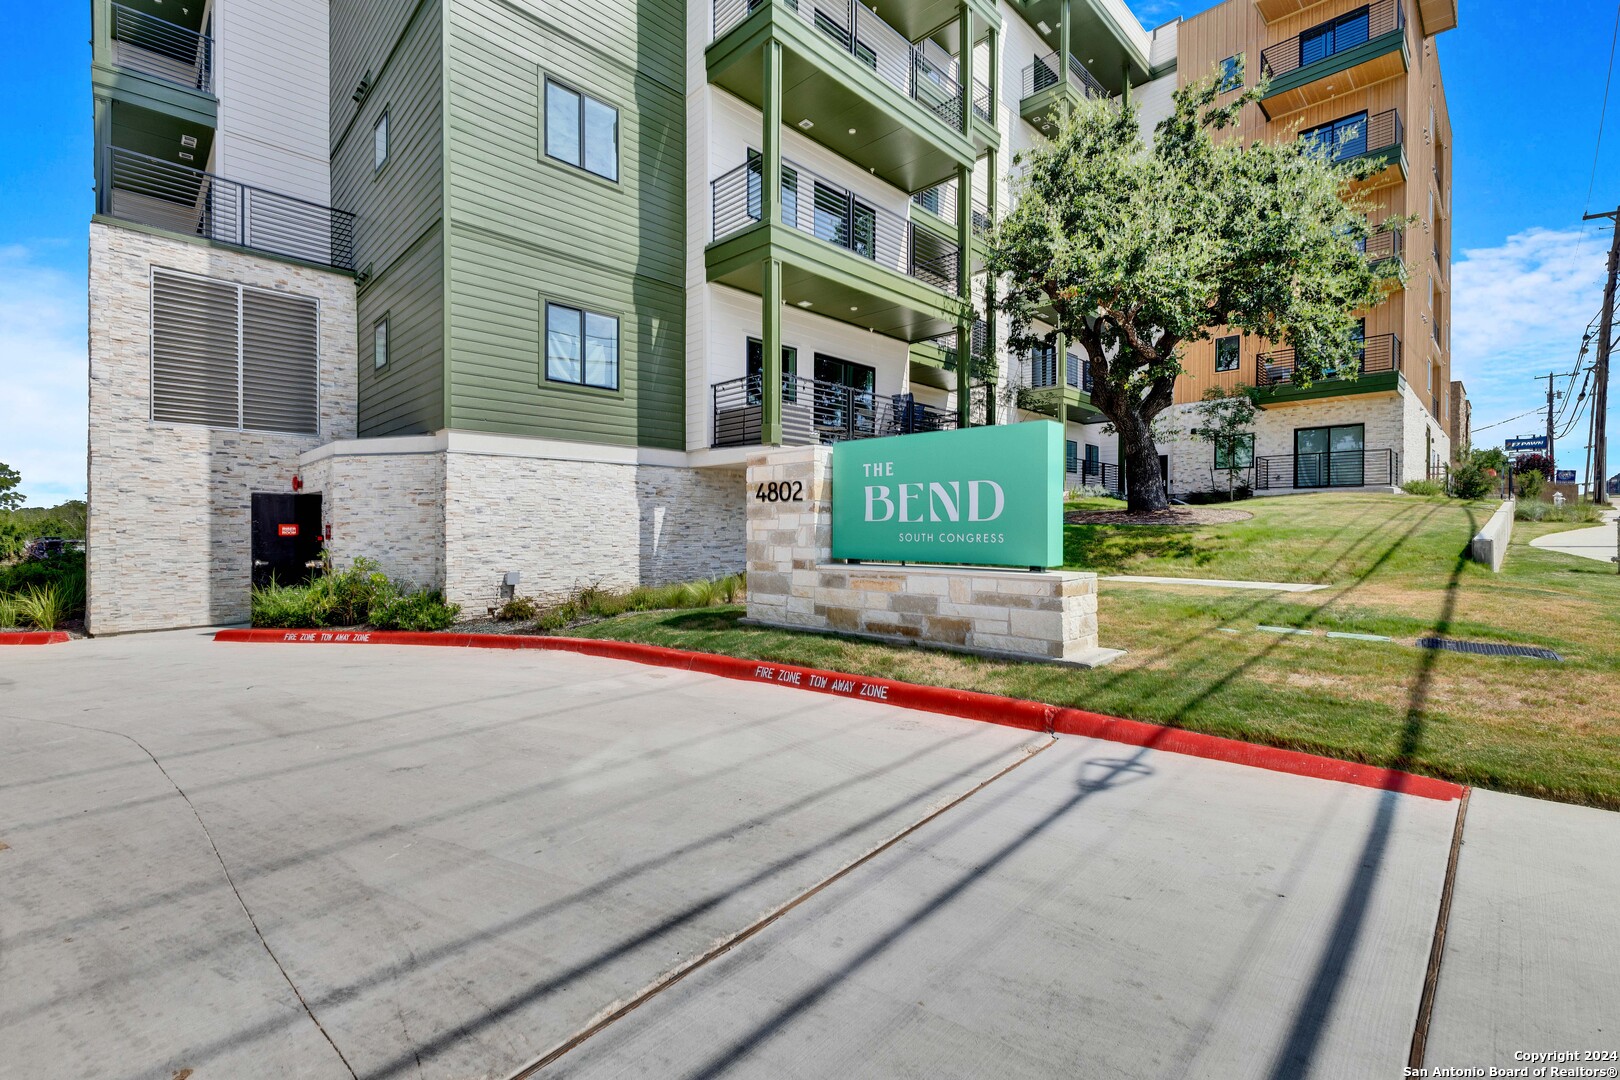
[[964, 62], [770, 197], [995, 78], [989, 281], [964, 290], [1063, 44]]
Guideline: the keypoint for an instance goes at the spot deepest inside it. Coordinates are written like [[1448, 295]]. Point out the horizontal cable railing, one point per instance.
[[1389, 244], [940, 200], [161, 49], [927, 76], [816, 412], [1039, 370], [981, 102], [151, 191], [1343, 141], [1338, 468], [1331, 38], [833, 214], [1045, 72], [1103, 474], [982, 354], [1377, 355]]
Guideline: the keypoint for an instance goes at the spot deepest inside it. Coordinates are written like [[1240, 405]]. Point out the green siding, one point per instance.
[[399, 209], [524, 228]]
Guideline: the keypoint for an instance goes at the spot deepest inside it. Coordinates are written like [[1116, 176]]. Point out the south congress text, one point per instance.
[[919, 503]]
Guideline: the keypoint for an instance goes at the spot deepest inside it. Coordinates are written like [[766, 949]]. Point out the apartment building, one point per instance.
[[504, 294], [1363, 80]]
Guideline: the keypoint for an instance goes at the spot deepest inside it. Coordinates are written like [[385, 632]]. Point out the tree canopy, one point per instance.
[[1132, 251]]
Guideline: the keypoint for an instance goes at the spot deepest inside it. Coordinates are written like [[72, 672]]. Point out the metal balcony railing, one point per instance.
[[837, 216], [151, 191], [1045, 72], [1341, 468], [1329, 39], [1038, 370], [1389, 244], [816, 412], [1351, 138], [982, 355], [1377, 355], [927, 76], [161, 49], [1081, 473], [940, 200], [981, 102]]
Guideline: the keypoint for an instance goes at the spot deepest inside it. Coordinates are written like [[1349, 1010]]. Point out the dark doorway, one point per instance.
[[286, 538], [1330, 456]]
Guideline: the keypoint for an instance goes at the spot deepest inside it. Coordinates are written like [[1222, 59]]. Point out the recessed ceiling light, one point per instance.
[[852, 131], [1043, 28], [804, 303], [807, 123], [189, 142], [852, 307]]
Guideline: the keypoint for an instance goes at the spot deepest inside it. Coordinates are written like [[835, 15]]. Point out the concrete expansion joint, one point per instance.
[[1025, 753], [226, 871]]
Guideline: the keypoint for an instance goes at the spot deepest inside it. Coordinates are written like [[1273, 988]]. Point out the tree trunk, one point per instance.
[[1144, 484]]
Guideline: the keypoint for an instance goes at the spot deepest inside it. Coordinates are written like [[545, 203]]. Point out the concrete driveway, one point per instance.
[[305, 861], [1600, 542]]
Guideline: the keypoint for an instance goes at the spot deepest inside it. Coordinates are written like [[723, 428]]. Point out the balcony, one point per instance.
[[1346, 53], [933, 362], [1377, 369], [1387, 246], [161, 49], [1063, 395], [816, 413], [1379, 139], [149, 191], [842, 256], [851, 82], [1328, 469], [1048, 90]]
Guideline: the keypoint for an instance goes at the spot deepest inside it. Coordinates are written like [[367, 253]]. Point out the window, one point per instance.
[[1333, 37], [1071, 456], [1043, 365], [756, 371], [1338, 139], [1228, 350], [227, 356], [1231, 74], [379, 143], [1235, 453], [790, 191], [582, 347], [582, 131], [379, 348]]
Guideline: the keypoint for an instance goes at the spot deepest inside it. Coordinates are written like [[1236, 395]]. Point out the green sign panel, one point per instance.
[[990, 496]]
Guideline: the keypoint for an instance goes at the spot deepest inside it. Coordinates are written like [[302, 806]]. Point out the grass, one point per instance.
[[1100, 502], [1395, 566]]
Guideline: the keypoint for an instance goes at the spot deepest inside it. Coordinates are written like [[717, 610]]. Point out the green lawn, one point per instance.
[[1396, 566]]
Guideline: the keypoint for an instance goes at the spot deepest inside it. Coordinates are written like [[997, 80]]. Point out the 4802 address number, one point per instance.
[[780, 491]]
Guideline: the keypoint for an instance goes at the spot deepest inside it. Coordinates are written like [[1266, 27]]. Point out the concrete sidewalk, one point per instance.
[[1599, 542], [313, 861]]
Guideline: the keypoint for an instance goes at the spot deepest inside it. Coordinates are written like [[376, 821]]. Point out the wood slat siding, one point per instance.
[[1237, 26], [399, 210], [524, 229]]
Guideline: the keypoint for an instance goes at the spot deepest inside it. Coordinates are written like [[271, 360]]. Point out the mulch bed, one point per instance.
[[1176, 515]]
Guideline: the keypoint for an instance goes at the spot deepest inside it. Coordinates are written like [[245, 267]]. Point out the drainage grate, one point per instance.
[[1486, 648]]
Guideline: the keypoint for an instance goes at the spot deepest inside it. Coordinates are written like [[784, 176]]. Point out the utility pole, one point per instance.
[[1552, 458], [1600, 403]]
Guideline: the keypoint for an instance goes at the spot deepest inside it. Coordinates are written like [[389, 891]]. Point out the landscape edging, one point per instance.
[[963, 704]]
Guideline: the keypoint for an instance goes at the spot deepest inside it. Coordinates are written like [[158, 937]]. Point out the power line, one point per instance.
[[1510, 419]]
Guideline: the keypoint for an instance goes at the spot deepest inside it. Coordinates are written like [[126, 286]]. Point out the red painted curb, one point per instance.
[[965, 704], [35, 637]]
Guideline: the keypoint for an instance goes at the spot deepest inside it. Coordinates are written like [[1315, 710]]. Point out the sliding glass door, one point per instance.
[[1330, 456]]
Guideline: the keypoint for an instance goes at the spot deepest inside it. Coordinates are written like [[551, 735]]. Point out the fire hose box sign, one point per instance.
[[985, 496], [287, 530]]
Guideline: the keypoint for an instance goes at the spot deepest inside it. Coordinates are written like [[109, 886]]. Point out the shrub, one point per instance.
[[1470, 481], [1576, 512], [1205, 498], [295, 607], [66, 568], [1530, 484], [1423, 487], [44, 607], [421, 610], [518, 609], [8, 612], [350, 596], [13, 540]]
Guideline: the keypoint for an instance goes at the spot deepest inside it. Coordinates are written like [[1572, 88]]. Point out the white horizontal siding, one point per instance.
[[272, 81]]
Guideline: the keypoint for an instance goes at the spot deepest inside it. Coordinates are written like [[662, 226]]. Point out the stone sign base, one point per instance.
[[793, 582]]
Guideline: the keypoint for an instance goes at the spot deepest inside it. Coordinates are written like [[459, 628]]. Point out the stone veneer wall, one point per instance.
[[168, 531], [793, 582], [383, 499], [1394, 421]]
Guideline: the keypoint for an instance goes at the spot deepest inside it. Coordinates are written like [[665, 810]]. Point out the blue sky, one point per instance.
[[1525, 82]]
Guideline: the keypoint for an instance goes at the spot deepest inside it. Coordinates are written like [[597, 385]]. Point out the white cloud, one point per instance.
[[1518, 311], [43, 377]]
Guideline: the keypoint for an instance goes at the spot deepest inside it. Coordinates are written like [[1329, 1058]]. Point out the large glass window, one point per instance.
[[756, 371], [1228, 351], [1071, 456], [1231, 74], [1339, 139], [582, 347], [582, 131], [1235, 453], [1333, 37]]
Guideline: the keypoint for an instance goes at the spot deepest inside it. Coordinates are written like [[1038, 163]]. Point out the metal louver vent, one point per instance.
[[228, 356], [278, 362]]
